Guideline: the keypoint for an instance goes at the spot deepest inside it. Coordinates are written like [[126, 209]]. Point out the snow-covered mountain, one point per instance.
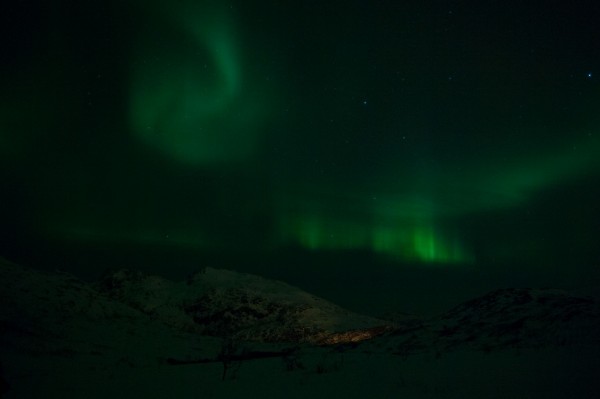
[[503, 319], [239, 306], [222, 334]]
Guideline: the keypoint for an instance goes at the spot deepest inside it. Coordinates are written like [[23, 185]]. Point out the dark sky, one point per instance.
[[435, 146]]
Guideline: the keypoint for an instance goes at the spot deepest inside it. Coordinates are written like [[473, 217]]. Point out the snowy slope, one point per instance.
[[503, 319], [235, 305]]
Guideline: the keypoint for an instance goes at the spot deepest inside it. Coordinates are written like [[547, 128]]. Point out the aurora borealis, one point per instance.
[[442, 136], [192, 101]]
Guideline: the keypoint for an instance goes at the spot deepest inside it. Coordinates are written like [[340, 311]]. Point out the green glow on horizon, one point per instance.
[[415, 222], [187, 95], [432, 246], [405, 242]]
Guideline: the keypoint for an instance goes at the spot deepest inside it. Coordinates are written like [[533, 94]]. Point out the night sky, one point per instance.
[[383, 151]]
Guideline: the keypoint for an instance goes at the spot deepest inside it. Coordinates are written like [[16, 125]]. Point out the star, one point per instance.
[[589, 75]]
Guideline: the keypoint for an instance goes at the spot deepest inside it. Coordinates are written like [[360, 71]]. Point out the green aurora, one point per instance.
[[192, 112], [208, 126], [191, 100]]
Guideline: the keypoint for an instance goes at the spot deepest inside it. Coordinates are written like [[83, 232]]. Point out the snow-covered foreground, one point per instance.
[[61, 338], [561, 373]]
